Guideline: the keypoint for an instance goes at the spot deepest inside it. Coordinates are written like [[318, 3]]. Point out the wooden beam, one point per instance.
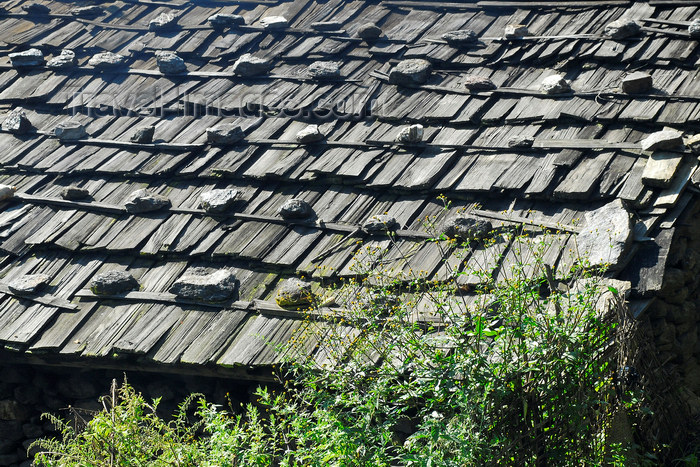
[[44, 299]]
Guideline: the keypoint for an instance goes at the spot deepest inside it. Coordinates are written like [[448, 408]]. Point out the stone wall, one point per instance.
[[28, 391]]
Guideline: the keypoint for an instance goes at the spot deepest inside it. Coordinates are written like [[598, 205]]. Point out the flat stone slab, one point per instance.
[[274, 22], [664, 139], [29, 284], [607, 236], [74, 193], [555, 84], [369, 32], [169, 63], [466, 228], [310, 134], [380, 223], [249, 65], [65, 60], [219, 200], [323, 70], [660, 168], [637, 82], [295, 209], [17, 122], [106, 60], [141, 201], [217, 286], [622, 28], [144, 134], [70, 131], [225, 134], [27, 58], [113, 283], [411, 134], [411, 72], [294, 293]]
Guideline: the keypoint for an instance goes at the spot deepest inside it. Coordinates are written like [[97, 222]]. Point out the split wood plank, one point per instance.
[[44, 299]]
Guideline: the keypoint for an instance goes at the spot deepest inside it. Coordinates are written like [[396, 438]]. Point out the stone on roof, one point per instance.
[[70, 131], [637, 82], [217, 286], [274, 22], [410, 72], [113, 282], [143, 135], [478, 83], [294, 293], [219, 200], [225, 134], [141, 201], [163, 22], [17, 122], [66, 59], [309, 134], [27, 58], [7, 192], [28, 284], [515, 31], [622, 28], [411, 134], [694, 28], [75, 193], [295, 209], [460, 38], [380, 223], [90, 11], [607, 236], [369, 32], [466, 228], [664, 139], [555, 84], [323, 70], [326, 26], [223, 20], [169, 63], [250, 65], [106, 60]]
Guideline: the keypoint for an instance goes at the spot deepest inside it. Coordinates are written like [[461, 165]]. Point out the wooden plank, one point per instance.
[[58, 333], [44, 299], [215, 337], [180, 336], [147, 330]]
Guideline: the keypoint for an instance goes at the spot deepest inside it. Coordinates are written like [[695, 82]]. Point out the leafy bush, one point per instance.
[[410, 372]]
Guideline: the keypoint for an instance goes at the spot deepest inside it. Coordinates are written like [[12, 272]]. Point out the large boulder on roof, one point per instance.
[[607, 236], [28, 284], [622, 28], [66, 59], [70, 131], [198, 284], [163, 22], [665, 139], [250, 65], [75, 193], [219, 200], [323, 70], [169, 63], [224, 20], [106, 60], [555, 84], [225, 134], [143, 200], [411, 72], [113, 282], [412, 134], [274, 22], [295, 209], [369, 32], [309, 134], [476, 83], [460, 38], [143, 134]]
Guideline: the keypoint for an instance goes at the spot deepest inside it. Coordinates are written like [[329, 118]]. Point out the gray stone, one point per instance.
[[144, 134], [224, 134], [660, 168], [91, 11], [694, 29], [249, 65], [210, 287], [606, 238], [460, 38], [380, 223], [27, 58], [17, 122], [478, 83], [665, 139], [521, 142], [310, 134], [466, 228], [412, 134], [7, 192], [218, 200], [13, 410], [113, 282], [637, 82], [326, 26], [29, 284], [622, 28], [294, 293], [410, 72], [223, 20], [63, 61], [163, 22], [515, 31], [555, 84], [70, 131], [274, 22], [142, 200], [106, 60], [693, 142], [369, 32], [36, 8], [295, 209], [323, 70], [74, 193], [169, 63]]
